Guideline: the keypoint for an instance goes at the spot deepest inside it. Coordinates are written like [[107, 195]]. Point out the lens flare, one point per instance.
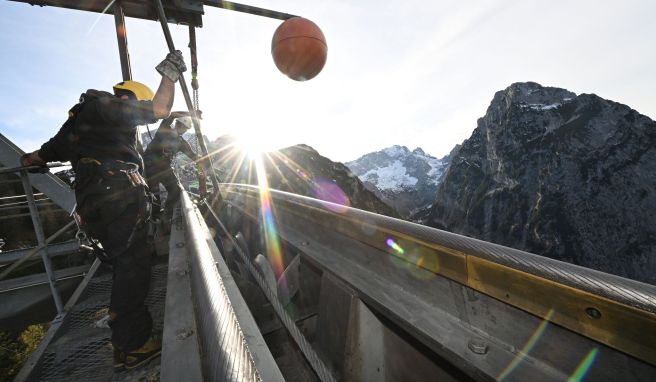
[[420, 261], [329, 191], [271, 238], [527, 347], [392, 244], [584, 366]]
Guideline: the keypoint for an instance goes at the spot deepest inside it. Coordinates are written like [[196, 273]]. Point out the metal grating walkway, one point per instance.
[[83, 351]]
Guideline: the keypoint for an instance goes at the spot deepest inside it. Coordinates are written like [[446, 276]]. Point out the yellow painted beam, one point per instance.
[[617, 325]]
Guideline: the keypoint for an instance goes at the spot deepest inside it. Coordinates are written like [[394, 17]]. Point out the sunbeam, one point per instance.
[[585, 365], [93, 26], [271, 238], [527, 347]]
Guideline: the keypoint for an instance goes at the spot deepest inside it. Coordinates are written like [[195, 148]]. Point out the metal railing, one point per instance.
[[42, 244], [232, 346], [51, 189], [472, 302]]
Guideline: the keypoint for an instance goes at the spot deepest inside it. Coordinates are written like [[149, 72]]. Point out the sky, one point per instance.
[[413, 73]]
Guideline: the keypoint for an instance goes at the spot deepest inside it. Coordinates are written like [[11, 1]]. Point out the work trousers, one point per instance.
[[111, 217], [161, 172]]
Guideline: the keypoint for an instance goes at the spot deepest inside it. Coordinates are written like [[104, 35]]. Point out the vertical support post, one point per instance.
[[122, 38], [38, 229], [185, 91], [124, 55], [194, 58]]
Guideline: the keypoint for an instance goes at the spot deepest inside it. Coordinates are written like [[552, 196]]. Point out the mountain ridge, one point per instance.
[[558, 174]]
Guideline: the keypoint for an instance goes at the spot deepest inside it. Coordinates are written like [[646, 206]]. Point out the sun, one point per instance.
[[251, 145], [254, 145]]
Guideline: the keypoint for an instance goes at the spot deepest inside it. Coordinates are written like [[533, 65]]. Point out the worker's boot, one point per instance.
[[119, 363], [137, 357]]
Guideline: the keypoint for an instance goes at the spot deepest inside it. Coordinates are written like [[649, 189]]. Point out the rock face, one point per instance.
[[565, 176], [301, 170], [406, 180]]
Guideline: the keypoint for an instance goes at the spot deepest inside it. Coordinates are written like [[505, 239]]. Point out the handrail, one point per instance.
[[35, 250], [56, 249], [618, 312], [232, 346], [19, 196]]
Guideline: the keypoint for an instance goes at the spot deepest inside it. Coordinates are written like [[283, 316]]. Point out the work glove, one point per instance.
[[25, 160], [172, 66], [178, 114], [37, 166], [39, 169]]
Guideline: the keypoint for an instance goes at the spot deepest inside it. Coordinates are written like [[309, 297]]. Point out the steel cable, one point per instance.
[[319, 367]]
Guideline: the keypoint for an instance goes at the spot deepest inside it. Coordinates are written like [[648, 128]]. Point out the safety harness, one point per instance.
[[101, 172], [116, 172]]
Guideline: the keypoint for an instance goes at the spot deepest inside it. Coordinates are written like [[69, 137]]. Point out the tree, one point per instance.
[[16, 349]]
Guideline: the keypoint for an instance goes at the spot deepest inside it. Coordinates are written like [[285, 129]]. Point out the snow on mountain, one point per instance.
[[392, 177], [406, 180]]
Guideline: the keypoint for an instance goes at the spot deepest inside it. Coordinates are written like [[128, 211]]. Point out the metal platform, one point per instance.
[[207, 330], [83, 351]]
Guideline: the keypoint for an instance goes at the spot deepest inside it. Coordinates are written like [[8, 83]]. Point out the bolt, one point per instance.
[[477, 346], [305, 243], [182, 273], [593, 313], [181, 334], [180, 245]]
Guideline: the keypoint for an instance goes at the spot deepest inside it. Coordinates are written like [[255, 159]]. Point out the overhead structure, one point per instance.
[[184, 12]]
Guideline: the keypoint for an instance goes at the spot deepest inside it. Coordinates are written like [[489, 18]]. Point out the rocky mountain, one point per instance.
[[563, 175], [301, 170], [406, 180]]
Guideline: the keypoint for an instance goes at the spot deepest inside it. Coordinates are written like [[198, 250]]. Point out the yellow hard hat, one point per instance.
[[140, 91]]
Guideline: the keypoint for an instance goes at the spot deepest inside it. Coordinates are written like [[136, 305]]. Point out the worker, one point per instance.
[[159, 156], [99, 139]]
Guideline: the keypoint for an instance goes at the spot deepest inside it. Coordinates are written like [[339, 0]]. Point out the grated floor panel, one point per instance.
[[83, 352]]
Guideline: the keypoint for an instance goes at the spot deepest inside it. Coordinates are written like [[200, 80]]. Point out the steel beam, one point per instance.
[[187, 12], [49, 184], [41, 239], [5, 272], [445, 290], [229, 5], [122, 39], [54, 250], [180, 350]]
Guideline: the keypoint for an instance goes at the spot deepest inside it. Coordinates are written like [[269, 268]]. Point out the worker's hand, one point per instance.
[[32, 159], [41, 169], [178, 114], [172, 66]]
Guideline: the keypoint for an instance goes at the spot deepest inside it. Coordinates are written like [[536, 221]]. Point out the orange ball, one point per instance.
[[299, 49]]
